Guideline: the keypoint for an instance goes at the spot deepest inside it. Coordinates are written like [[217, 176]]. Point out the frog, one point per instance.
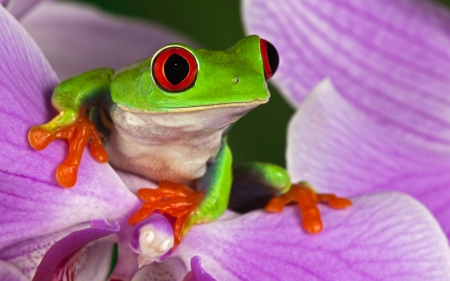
[[166, 118]]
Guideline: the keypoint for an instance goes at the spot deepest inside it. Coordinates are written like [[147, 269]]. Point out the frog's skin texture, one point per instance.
[[175, 147], [168, 124]]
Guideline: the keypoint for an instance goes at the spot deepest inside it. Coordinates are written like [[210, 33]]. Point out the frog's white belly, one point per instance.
[[175, 146]]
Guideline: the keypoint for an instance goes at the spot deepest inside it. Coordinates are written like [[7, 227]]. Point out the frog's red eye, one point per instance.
[[175, 69], [270, 58]]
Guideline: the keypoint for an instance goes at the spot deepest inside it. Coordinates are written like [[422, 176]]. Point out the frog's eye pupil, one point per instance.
[[270, 58], [272, 55], [174, 69]]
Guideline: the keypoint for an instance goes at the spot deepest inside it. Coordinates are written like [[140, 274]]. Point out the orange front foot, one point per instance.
[[307, 200], [176, 200], [78, 134]]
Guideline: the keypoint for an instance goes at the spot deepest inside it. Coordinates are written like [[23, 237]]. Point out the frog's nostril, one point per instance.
[[235, 80]]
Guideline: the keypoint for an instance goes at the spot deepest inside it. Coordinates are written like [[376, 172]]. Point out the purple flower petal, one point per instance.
[[170, 269], [385, 236], [338, 149], [11, 273], [61, 258], [76, 38], [127, 265], [27, 254], [18, 8], [389, 59], [94, 261], [197, 272], [134, 182], [4, 2], [33, 205]]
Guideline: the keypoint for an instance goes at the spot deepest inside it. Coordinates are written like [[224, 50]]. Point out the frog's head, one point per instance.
[[180, 79]]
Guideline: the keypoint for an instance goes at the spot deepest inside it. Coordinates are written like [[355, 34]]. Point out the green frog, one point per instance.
[[166, 118]]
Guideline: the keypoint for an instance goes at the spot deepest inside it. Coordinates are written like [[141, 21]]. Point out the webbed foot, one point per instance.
[[78, 130], [176, 200], [307, 200]]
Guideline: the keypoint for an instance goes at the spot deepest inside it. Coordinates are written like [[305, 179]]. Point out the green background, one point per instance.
[[216, 24]]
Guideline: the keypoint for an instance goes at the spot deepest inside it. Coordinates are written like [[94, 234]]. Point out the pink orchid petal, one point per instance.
[[339, 149], [76, 38], [127, 264], [33, 205], [19, 8], [94, 261], [27, 254], [59, 260], [197, 272], [389, 59], [170, 269], [11, 273], [134, 182], [385, 236]]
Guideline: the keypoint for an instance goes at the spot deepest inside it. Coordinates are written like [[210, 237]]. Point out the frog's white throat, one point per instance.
[[173, 146]]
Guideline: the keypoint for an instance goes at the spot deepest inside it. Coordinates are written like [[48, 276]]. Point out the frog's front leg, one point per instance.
[[71, 98], [269, 184], [207, 203]]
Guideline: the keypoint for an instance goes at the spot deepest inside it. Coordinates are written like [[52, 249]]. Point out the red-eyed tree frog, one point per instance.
[[166, 118]]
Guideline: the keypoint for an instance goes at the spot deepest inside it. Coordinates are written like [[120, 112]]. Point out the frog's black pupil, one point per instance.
[[272, 56], [176, 69]]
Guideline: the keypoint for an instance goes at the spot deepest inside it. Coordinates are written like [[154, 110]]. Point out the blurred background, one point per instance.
[[216, 25]]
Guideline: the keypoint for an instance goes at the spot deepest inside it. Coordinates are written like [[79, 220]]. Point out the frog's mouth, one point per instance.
[[155, 110]]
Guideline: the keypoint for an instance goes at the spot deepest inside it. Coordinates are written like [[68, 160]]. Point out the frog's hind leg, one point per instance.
[[304, 195], [262, 184], [255, 183]]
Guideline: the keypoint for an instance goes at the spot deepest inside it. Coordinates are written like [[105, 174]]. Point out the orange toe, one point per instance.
[[78, 135], [307, 201], [176, 200]]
